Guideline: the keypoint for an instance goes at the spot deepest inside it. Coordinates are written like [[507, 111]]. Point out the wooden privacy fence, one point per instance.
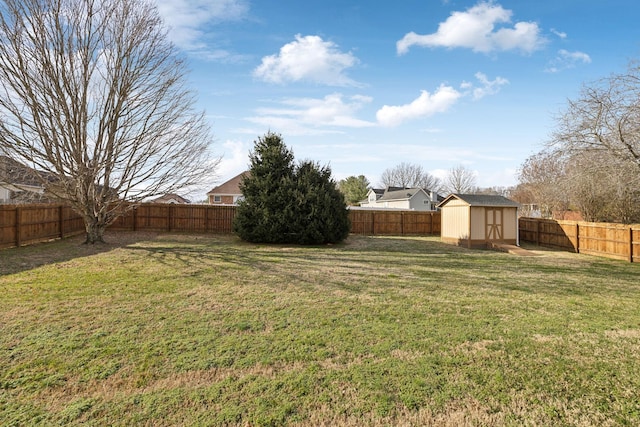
[[370, 222], [178, 218], [619, 241], [26, 224]]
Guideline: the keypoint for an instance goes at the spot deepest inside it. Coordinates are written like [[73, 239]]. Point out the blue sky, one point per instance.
[[363, 86]]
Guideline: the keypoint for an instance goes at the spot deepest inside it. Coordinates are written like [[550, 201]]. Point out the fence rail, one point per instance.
[[619, 241], [27, 224]]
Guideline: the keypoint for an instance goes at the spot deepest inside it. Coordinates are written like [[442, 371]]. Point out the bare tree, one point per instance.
[[93, 93], [460, 180], [604, 188], [605, 118], [408, 175], [543, 178]]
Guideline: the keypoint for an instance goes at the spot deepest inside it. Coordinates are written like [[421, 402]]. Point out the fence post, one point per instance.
[[630, 244], [538, 232], [135, 218], [61, 220], [18, 226], [373, 223], [577, 238]]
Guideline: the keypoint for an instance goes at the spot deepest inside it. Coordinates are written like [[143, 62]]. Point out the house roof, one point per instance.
[[378, 191], [13, 172], [167, 198], [231, 186], [481, 200], [400, 194]]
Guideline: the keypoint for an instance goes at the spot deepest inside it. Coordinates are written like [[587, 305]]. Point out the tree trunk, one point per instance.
[[95, 231]]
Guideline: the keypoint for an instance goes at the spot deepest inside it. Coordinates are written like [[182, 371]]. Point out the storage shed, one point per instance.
[[476, 220]]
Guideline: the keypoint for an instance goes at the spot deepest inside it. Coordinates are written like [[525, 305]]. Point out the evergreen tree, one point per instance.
[[262, 216], [321, 214], [354, 188], [287, 204]]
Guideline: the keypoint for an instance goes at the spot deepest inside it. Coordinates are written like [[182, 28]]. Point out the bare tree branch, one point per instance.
[[408, 175], [460, 180], [93, 92]]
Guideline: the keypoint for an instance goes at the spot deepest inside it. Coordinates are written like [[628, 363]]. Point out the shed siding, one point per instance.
[[455, 224], [511, 224], [478, 227]]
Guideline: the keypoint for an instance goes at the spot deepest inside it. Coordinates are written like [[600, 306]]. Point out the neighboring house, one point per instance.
[[416, 199], [227, 193], [19, 183], [476, 220], [170, 198]]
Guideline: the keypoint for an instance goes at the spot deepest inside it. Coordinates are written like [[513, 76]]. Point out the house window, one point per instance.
[[217, 199]]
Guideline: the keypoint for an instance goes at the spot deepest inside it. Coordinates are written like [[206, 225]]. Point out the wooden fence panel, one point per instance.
[[186, 218], [362, 222], [619, 241], [27, 224], [220, 220], [8, 228], [606, 240], [371, 222]]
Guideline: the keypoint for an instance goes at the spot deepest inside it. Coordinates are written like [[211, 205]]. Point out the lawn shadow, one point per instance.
[[16, 260]]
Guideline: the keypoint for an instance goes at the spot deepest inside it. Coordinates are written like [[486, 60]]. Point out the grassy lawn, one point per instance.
[[184, 330]]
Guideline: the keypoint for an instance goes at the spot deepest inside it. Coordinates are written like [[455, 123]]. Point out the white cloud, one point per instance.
[[308, 58], [565, 60], [304, 116], [488, 87], [188, 22], [425, 105], [235, 158], [560, 34], [475, 29]]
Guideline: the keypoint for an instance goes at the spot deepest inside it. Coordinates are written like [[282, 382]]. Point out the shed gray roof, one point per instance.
[[481, 200]]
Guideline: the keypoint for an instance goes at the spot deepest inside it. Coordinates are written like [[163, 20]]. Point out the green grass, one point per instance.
[[184, 330]]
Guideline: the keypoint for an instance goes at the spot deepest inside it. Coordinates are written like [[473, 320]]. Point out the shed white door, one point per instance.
[[494, 223]]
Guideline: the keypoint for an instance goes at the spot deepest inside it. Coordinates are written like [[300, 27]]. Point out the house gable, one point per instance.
[[227, 193]]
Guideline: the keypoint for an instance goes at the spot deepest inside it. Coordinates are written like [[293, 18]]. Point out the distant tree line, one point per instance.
[[459, 179]]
